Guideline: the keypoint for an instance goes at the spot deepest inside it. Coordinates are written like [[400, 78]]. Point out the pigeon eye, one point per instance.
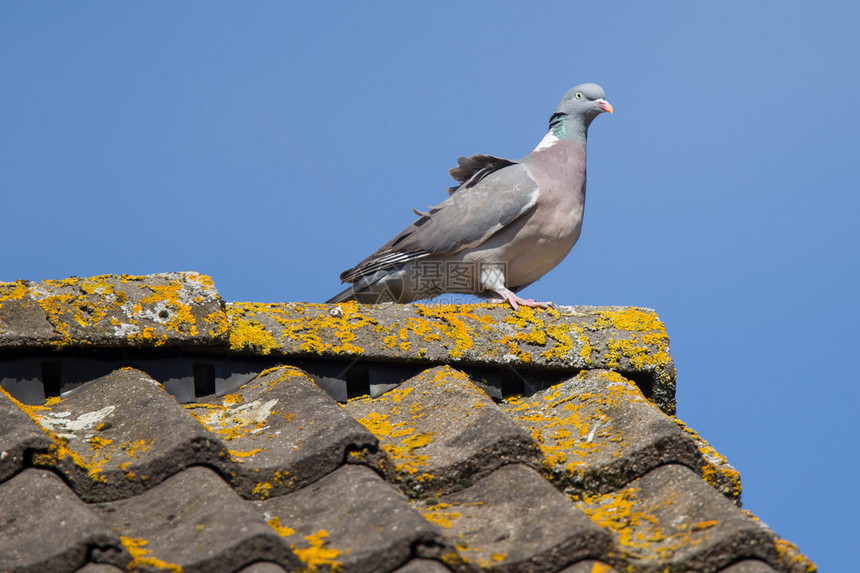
[[578, 95]]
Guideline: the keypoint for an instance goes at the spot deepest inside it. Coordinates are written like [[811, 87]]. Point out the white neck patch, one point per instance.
[[548, 141]]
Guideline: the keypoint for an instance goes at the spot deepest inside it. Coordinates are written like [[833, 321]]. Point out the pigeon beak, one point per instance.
[[604, 105]]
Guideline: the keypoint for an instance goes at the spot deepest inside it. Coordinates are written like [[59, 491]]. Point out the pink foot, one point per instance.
[[515, 301]]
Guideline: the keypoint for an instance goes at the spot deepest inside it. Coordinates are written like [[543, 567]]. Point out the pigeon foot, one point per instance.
[[512, 299]]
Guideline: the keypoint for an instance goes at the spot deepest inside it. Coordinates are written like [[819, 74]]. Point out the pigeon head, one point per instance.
[[579, 106]]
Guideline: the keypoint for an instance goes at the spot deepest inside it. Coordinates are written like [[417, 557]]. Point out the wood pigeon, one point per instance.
[[505, 225]]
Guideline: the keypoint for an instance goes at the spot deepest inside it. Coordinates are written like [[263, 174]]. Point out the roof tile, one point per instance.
[[19, 435], [441, 432], [513, 520], [32, 542], [282, 432], [121, 435], [569, 397], [352, 519], [263, 567], [590, 566], [598, 432], [749, 566], [670, 518], [195, 521], [168, 309], [627, 339], [422, 566]]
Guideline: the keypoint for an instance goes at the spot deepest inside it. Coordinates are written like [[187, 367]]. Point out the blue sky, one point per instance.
[[723, 192]]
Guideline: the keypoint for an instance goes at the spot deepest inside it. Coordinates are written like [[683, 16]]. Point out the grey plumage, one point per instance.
[[505, 225]]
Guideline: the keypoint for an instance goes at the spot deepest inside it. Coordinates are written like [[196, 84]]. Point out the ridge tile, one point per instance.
[[630, 340], [166, 309]]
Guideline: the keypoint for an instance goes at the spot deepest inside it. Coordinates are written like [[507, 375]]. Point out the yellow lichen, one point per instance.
[[317, 555], [792, 558], [141, 558], [401, 451], [234, 419], [397, 394], [307, 332], [232, 399], [251, 335], [451, 325], [245, 454], [437, 514], [634, 528], [98, 443], [716, 470], [571, 427], [404, 455], [283, 531], [59, 449], [377, 423], [262, 490], [100, 304], [137, 447], [702, 525], [630, 319]]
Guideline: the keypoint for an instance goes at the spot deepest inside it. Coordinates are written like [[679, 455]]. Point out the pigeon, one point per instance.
[[503, 226]]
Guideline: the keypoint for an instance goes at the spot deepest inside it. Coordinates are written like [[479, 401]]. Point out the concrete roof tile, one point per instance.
[[352, 519], [422, 566], [590, 566], [282, 432], [196, 522], [627, 339], [469, 437], [598, 432], [44, 526], [670, 518], [120, 435], [513, 520], [167, 309], [440, 432], [19, 435]]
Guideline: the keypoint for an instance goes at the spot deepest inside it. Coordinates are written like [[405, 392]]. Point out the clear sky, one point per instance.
[[723, 191]]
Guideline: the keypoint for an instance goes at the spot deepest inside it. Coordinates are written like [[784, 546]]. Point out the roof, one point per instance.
[[149, 426]]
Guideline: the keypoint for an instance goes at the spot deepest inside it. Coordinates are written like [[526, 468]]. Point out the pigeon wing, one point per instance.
[[471, 170], [466, 219]]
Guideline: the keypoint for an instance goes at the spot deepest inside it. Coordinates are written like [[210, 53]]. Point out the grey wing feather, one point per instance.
[[465, 219], [471, 170]]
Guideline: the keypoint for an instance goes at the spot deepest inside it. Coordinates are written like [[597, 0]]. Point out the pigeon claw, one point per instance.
[[516, 302]]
